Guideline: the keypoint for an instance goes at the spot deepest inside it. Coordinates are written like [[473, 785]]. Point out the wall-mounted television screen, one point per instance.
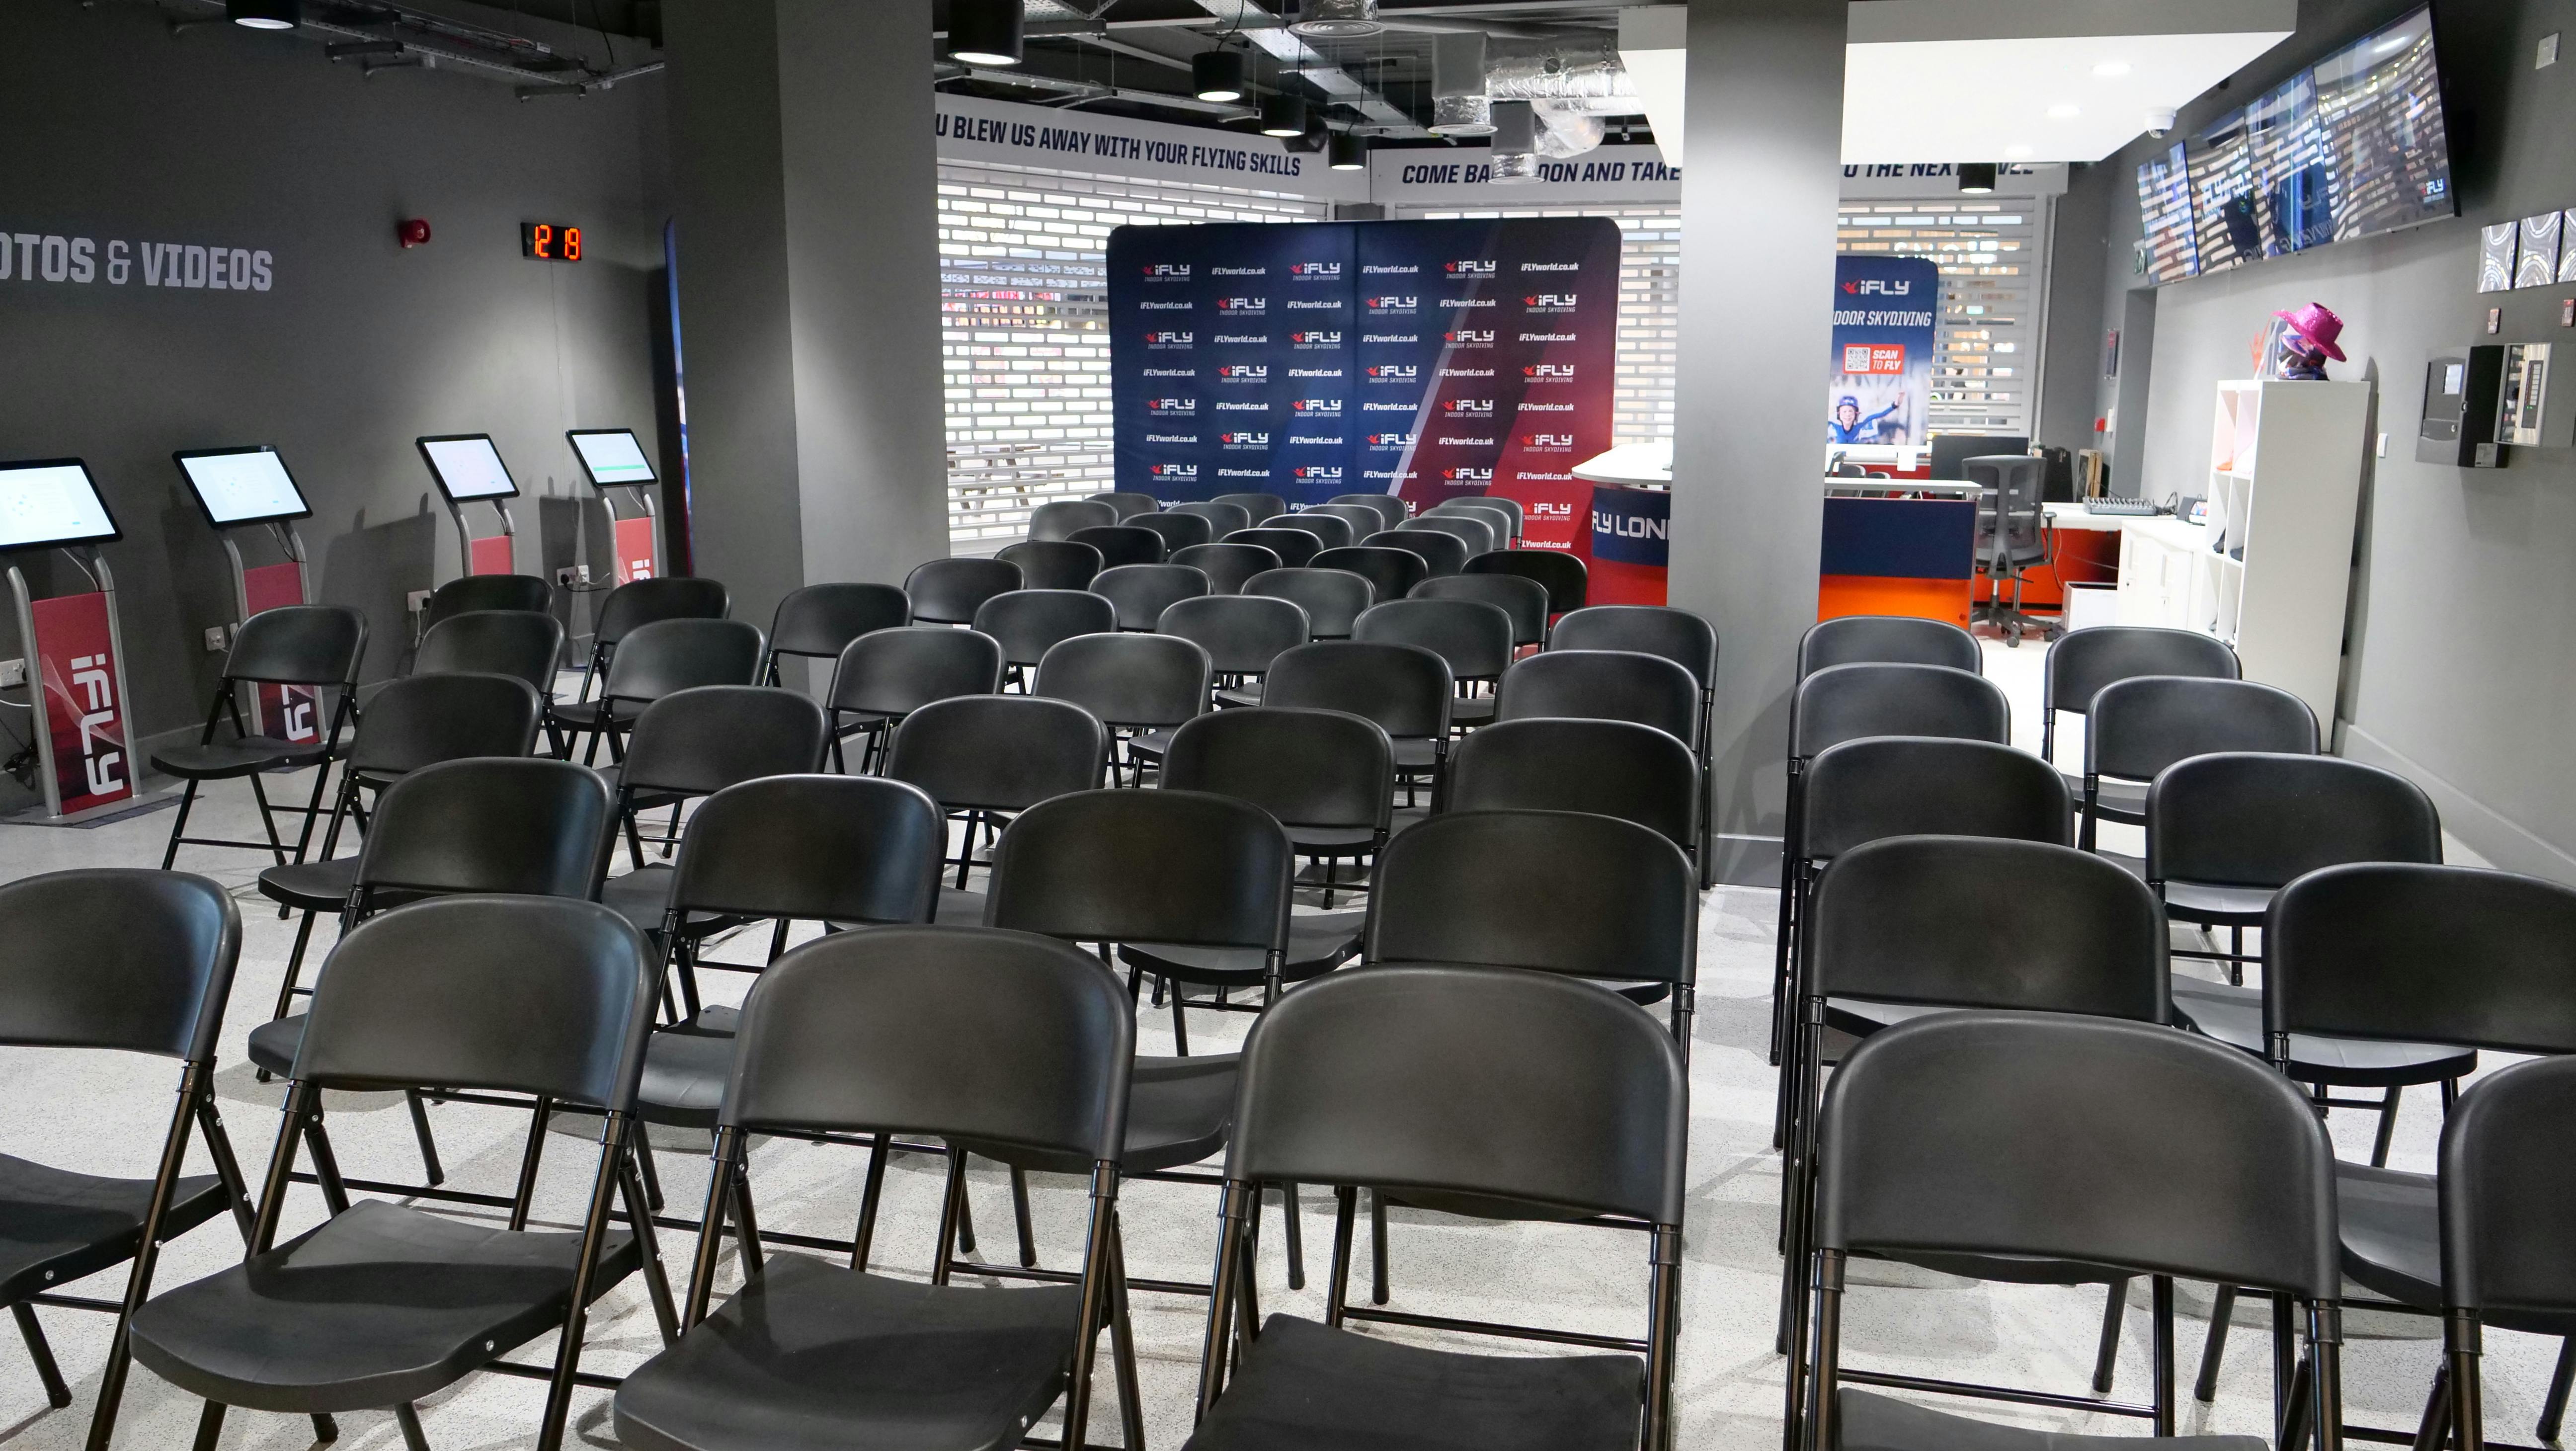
[[2164, 206]]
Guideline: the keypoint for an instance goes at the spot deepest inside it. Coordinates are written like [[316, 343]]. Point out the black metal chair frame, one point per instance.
[[226, 705]]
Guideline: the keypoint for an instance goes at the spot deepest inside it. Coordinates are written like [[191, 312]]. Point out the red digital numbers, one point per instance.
[[550, 241]]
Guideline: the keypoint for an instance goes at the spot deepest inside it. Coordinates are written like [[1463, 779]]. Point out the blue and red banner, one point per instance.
[[1879, 381]]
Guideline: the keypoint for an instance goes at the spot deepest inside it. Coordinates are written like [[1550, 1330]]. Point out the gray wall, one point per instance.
[[2461, 655], [117, 130]]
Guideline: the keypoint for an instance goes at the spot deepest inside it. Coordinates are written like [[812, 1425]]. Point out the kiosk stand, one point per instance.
[[75, 653], [243, 488], [467, 468], [615, 462]]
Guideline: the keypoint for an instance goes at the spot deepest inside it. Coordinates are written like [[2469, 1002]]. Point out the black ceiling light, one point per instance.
[[1217, 75], [984, 32], [1976, 178], [1350, 151], [1283, 116], [265, 14]]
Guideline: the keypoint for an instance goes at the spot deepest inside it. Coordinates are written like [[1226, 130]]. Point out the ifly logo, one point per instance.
[[1470, 337], [1170, 339], [1878, 287], [1244, 372], [1468, 407], [1318, 407], [1243, 306], [1468, 476], [1630, 526], [1393, 373], [1550, 441], [1547, 301], [1316, 340], [1390, 440], [94, 688], [1544, 510], [1314, 271], [1168, 271], [1392, 303], [1166, 407], [1469, 267], [1244, 440], [1180, 472], [1549, 372], [1320, 473]]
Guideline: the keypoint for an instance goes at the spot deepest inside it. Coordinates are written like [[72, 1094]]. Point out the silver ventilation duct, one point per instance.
[[1458, 103], [1570, 84], [1337, 19], [1563, 133], [1515, 143]]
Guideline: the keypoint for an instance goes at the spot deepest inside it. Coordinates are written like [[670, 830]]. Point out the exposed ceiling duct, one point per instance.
[[1570, 84], [1337, 19], [1515, 143], [1459, 105]]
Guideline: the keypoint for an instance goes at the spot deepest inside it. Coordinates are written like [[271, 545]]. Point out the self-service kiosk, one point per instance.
[[615, 463], [241, 490], [75, 654], [468, 470]]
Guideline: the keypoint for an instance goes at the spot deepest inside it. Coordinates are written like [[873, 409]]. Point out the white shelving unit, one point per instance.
[[2271, 572]]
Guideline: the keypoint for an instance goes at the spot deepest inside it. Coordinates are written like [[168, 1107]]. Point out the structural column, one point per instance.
[[806, 215], [1759, 191]]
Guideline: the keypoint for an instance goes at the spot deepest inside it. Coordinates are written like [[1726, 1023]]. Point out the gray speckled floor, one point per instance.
[[106, 1115]]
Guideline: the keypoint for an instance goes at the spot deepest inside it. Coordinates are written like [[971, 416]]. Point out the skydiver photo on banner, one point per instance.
[[1880, 376]]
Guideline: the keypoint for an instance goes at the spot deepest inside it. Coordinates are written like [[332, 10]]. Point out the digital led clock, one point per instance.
[[550, 241]]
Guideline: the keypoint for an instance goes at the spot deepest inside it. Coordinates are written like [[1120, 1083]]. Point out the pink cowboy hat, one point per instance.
[[2317, 323]]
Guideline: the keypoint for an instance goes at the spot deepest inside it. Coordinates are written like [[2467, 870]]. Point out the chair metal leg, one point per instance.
[[57, 1394], [868, 1200], [2553, 1410], [420, 1131], [2161, 1289], [2106, 1360], [267, 821], [409, 1420], [1020, 1217], [1180, 1024], [746, 1226], [294, 974], [210, 1426], [1296, 1240], [1122, 1346], [2435, 1427], [170, 853], [2213, 1350], [521, 1201], [1377, 1248], [644, 1165], [2387, 1127]]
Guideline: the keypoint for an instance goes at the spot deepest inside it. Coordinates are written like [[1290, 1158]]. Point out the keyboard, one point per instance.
[[2123, 508]]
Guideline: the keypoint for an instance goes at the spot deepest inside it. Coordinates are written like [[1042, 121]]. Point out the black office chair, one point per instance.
[[2145, 723], [973, 1035], [120, 961], [1029, 622], [1227, 565], [1404, 688], [1295, 547], [987, 758], [1394, 1078], [1506, 522], [312, 648], [1393, 573], [659, 659], [2078, 1139], [1475, 638], [521, 644], [1442, 554], [887, 674], [1389, 509], [1242, 635], [475, 592], [1223, 519], [949, 591], [2079, 665], [1477, 535], [1606, 767], [696, 743], [1258, 506], [819, 621], [1332, 598], [1123, 544], [1525, 600], [1888, 640], [1330, 531], [1141, 592], [1056, 519], [384, 1304], [1051, 564], [1128, 506], [1179, 531], [638, 603], [1137, 685], [1568, 581], [2012, 538]]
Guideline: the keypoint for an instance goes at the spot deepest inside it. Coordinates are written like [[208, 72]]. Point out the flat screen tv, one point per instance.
[[2164, 206]]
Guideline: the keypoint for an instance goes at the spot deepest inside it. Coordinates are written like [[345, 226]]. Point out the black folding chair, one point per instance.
[[2145, 723], [886, 675], [1333, 599], [1602, 685], [1179, 531], [1258, 506], [1500, 1095], [1051, 564], [1525, 600], [1295, 547], [1140, 686], [1606, 767], [1392, 573], [1475, 638], [1477, 536], [120, 961], [469, 594], [1888, 640], [384, 1304], [976, 1036], [1506, 523], [1389, 509], [1029, 622], [1404, 688], [1127, 506], [312, 648], [697, 743], [1227, 565], [638, 603], [1122, 544], [1679, 636], [985, 759], [2077, 1139], [1223, 518], [1330, 530], [1055, 520], [1442, 554], [949, 591], [662, 659], [1568, 581], [520, 643], [1141, 592], [2083, 661], [819, 621], [1242, 635]]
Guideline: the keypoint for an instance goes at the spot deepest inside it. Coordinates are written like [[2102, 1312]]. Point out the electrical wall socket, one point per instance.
[[416, 601], [571, 575], [214, 639], [13, 674]]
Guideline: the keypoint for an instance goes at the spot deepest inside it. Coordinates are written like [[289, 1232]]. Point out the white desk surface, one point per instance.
[[1631, 465], [2165, 528]]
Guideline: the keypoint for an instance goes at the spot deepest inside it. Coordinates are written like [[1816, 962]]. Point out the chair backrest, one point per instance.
[[1257, 506], [998, 1037], [665, 656], [1846, 702], [1513, 507], [2257, 820], [2084, 661], [420, 720], [2067, 1137], [1989, 922], [2506, 1187], [299, 645], [517, 994], [1223, 519], [1228, 564], [1442, 554], [520, 643], [1514, 1087], [999, 752], [1181, 867], [1317, 768], [1363, 521], [1607, 767], [1122, 544], [1475, 638], [1389, 509], [1685, 639], [821, 619], [1330, 531], [1028, 622], [1888, 640], [1141, 592], [700, 741], [2145, 723], [1056, 519], [1880, 786], [1602, 685], [640, 602], [813, 848], [1505, 522], [1568, 581], [1477, 534], [2423, 954], [948, 591], [1391, 572], [1128, 506], [116, 957], [1404, 688], [1241, 633], [1179, 531], [1142, 681], [526, 593], [893, 672], [1295, 547], [1554, 891], [1524, 600], [536, 828], [1331, 598], [2012, 521]]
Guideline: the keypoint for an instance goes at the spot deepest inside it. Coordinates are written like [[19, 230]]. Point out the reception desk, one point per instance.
[[1896, 556]]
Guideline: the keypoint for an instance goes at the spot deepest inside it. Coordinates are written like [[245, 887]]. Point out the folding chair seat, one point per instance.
[[304, 648]]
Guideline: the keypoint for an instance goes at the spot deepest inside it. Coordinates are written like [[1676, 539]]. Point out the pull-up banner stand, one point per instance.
[[468, 469], [241, 489], [75, 655], [615, 462]]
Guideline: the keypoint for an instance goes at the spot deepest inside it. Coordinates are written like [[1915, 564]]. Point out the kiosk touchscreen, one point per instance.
[[75, 656], [49, 503], [612, 457], [239, 486], [467, 467]]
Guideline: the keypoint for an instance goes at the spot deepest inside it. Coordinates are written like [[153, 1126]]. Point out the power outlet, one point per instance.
[[214, 639], [416, 601], [13, 674], [571, 575]]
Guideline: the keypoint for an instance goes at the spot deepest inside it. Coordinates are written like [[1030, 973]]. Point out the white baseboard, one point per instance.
[[2503, 841]]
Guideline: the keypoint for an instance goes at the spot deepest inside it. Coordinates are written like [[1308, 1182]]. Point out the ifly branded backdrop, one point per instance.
[[1432, 360]]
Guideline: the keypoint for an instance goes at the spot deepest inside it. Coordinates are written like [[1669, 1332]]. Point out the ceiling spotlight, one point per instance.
[[1350, 151], [2112, 68], [2064, 111], [984, 32], [1977, 178], [1327, 19], [1283, 116], [264, 14], [1217, 75]]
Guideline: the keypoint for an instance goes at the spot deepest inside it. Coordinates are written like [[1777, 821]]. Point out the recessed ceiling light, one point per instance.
[[2064, 110], [984, 32], [1218, 75], [2017, 151], [2112, 68], [264, 14]]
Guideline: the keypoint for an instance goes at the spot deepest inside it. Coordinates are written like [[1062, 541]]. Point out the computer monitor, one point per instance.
[[1950, 450], [237, 486], [612, 457], [49, 502], [467, 467]]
